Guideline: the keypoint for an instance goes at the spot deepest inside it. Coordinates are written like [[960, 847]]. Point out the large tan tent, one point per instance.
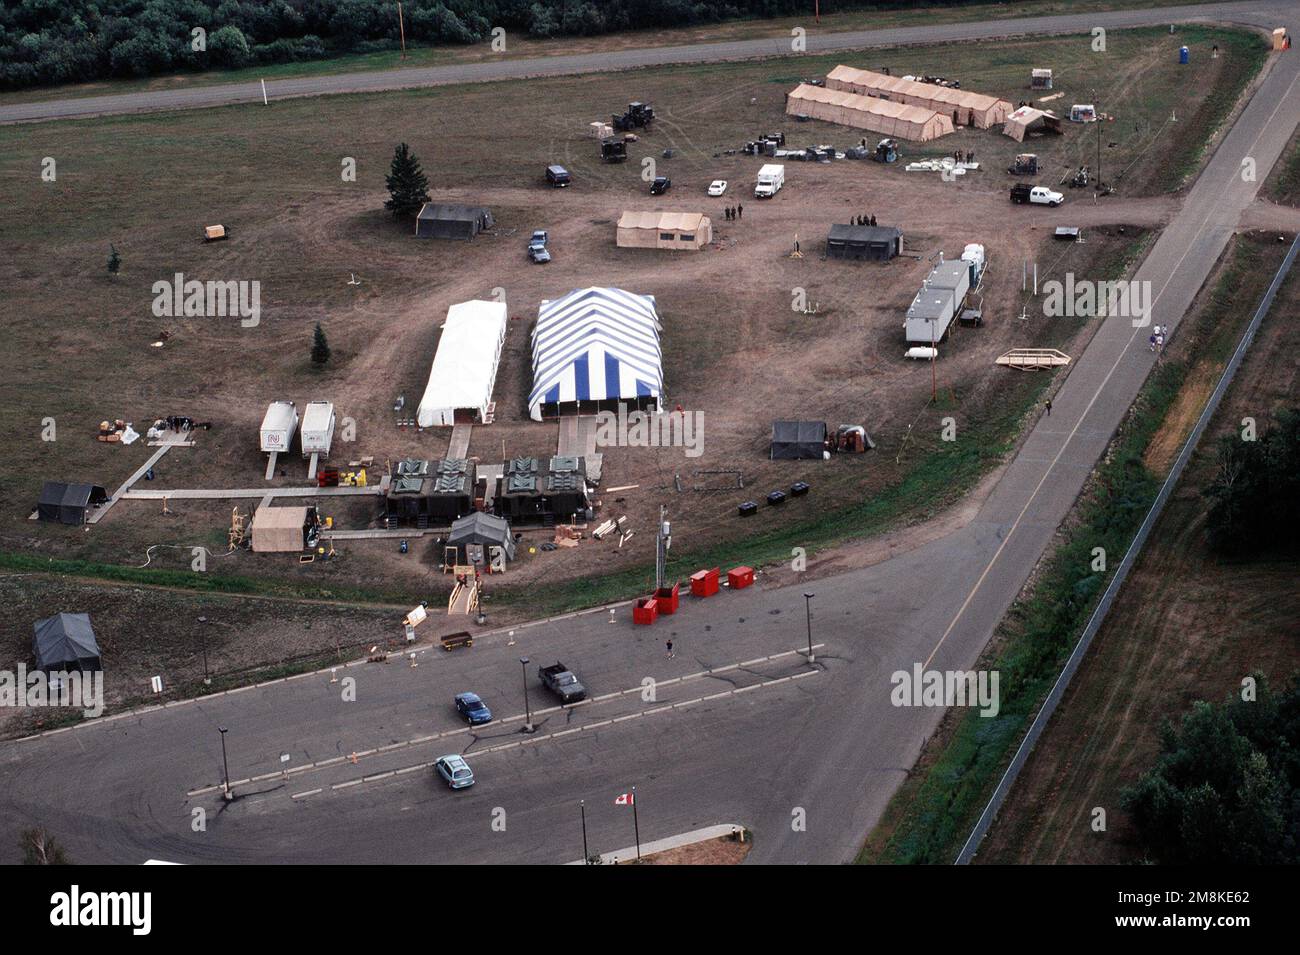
[[1027, 119], [866, 112], [282, 529], [664, 230], [963, 107]]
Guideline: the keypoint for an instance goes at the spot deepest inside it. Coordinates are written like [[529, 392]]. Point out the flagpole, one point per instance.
[[586, 856], [636, 826]]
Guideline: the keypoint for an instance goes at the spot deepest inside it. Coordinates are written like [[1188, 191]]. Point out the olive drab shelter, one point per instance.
[[63, 503], [65, 641], [481, 530], [876, 243], [798, 440], [446, 221], [898, 120]]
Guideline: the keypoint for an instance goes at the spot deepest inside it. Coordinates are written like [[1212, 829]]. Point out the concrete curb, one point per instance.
[[662, 845]]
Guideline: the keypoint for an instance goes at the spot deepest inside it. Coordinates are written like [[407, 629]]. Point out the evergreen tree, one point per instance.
[[39, 849], [320, 349], [407, 184], [114, 260]]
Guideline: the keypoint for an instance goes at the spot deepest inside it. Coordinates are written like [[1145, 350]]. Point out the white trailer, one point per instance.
[[953, 275], [278, 427], [770, 180], [929, 316], [317, 433]]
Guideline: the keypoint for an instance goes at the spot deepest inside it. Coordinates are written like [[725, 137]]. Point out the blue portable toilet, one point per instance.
[[1184, 55]]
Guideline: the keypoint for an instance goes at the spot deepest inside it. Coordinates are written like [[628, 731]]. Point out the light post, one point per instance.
[[586, 855], [203, 637], [807, 599], [226, 794], [528, 713]]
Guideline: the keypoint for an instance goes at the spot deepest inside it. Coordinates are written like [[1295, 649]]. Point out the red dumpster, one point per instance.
[[739, 578], [704, 583], [666, 599], [645, 610]]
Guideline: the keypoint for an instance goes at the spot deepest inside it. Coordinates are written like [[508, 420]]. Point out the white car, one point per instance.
[[717, 187]]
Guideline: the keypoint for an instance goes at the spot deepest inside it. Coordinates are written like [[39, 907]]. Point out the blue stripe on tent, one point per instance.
[[581, 377], [611, 376], [643, 390], [552, 396]]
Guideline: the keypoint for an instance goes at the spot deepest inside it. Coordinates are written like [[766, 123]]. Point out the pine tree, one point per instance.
[[114, 260], [320, 349], [407, 183]]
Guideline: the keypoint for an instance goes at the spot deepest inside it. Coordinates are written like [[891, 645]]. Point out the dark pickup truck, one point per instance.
[[562, 682]]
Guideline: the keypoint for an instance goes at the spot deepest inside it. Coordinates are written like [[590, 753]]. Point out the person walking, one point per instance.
[[1049, 407], [670, 648], [740, 212]]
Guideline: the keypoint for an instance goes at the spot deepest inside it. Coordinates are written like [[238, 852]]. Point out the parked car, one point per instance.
[[717, 187], [661, 185], [561, 681], [537, 250], [558, 176], [455, 772], [473, 709]]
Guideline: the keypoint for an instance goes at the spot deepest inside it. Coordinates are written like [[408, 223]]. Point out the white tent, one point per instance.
[[465, 366]]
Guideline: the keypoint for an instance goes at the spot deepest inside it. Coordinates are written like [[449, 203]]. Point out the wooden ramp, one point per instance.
[[99, 512], [577, 436], [460, 435], [464, 599], [1031, 359]]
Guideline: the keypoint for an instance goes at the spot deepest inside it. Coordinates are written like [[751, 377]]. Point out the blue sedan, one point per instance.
[[470, 706]]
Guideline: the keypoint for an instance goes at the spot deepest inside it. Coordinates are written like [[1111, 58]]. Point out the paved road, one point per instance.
[[764, 739], [1259, 12]]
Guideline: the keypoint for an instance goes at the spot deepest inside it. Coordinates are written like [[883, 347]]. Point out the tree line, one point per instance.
[[46, 42]]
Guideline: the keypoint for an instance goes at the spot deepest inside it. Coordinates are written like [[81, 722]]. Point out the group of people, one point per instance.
[[734, 212], [1157, 339], [962, 155], [864, 220]]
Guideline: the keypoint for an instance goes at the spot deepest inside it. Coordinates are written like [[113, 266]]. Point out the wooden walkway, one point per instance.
[[460, 435], [125, 489], [217, 494]]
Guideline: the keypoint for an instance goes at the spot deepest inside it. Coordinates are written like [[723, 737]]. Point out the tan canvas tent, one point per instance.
[[664, 230], [1026, 119], [866, 112], [963, 107], [281, 529]]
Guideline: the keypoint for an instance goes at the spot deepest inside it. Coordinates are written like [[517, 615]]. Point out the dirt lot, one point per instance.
[[1186, 626], [734, 348], [722, 851]]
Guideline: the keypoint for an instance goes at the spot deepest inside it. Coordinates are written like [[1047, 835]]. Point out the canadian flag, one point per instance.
[[627, 799]]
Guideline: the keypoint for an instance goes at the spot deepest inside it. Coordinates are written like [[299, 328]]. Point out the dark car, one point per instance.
[[661, 185], [473, 709], [558, 176]]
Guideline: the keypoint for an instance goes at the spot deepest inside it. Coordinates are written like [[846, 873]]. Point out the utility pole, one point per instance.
[[1097, 112], [807, 600], [663, 541], [401, 26], [586, 855]]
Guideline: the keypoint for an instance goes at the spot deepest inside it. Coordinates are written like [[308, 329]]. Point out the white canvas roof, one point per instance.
[[667, 221], [465, 366]]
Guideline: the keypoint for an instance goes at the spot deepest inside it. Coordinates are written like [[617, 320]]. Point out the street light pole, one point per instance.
[[807, 598], [528, 713], [226, 794], [586, 855]]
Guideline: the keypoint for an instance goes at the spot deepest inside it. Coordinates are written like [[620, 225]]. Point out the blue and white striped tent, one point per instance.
[[596, 344]]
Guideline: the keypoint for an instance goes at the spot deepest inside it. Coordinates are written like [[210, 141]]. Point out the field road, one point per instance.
[[1265, 13], [739, 727]]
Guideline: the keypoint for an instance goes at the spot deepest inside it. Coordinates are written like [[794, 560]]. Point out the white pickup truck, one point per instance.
[[1022, 192]]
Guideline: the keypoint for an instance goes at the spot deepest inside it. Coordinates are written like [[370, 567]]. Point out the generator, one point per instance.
[[613, 150]]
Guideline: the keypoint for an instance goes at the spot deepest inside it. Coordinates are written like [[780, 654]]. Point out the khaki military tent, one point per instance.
[[664, 230], [963, 107], [1027, 120], [866, 112], [283, 529]]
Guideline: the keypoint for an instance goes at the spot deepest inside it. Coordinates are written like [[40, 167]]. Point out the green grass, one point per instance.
[[936, 814]]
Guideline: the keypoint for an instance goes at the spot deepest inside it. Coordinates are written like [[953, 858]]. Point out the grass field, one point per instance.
[[525, 47], [930, 817]]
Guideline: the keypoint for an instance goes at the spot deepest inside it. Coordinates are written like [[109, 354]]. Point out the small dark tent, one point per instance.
[[485, 530], [441, 221], [65, 503], [877, 243], [65, 642], [798, 440]]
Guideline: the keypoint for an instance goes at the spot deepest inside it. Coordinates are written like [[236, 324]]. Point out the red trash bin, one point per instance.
[[739, 578], [704, 583], [666, 599], [645, 610]]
